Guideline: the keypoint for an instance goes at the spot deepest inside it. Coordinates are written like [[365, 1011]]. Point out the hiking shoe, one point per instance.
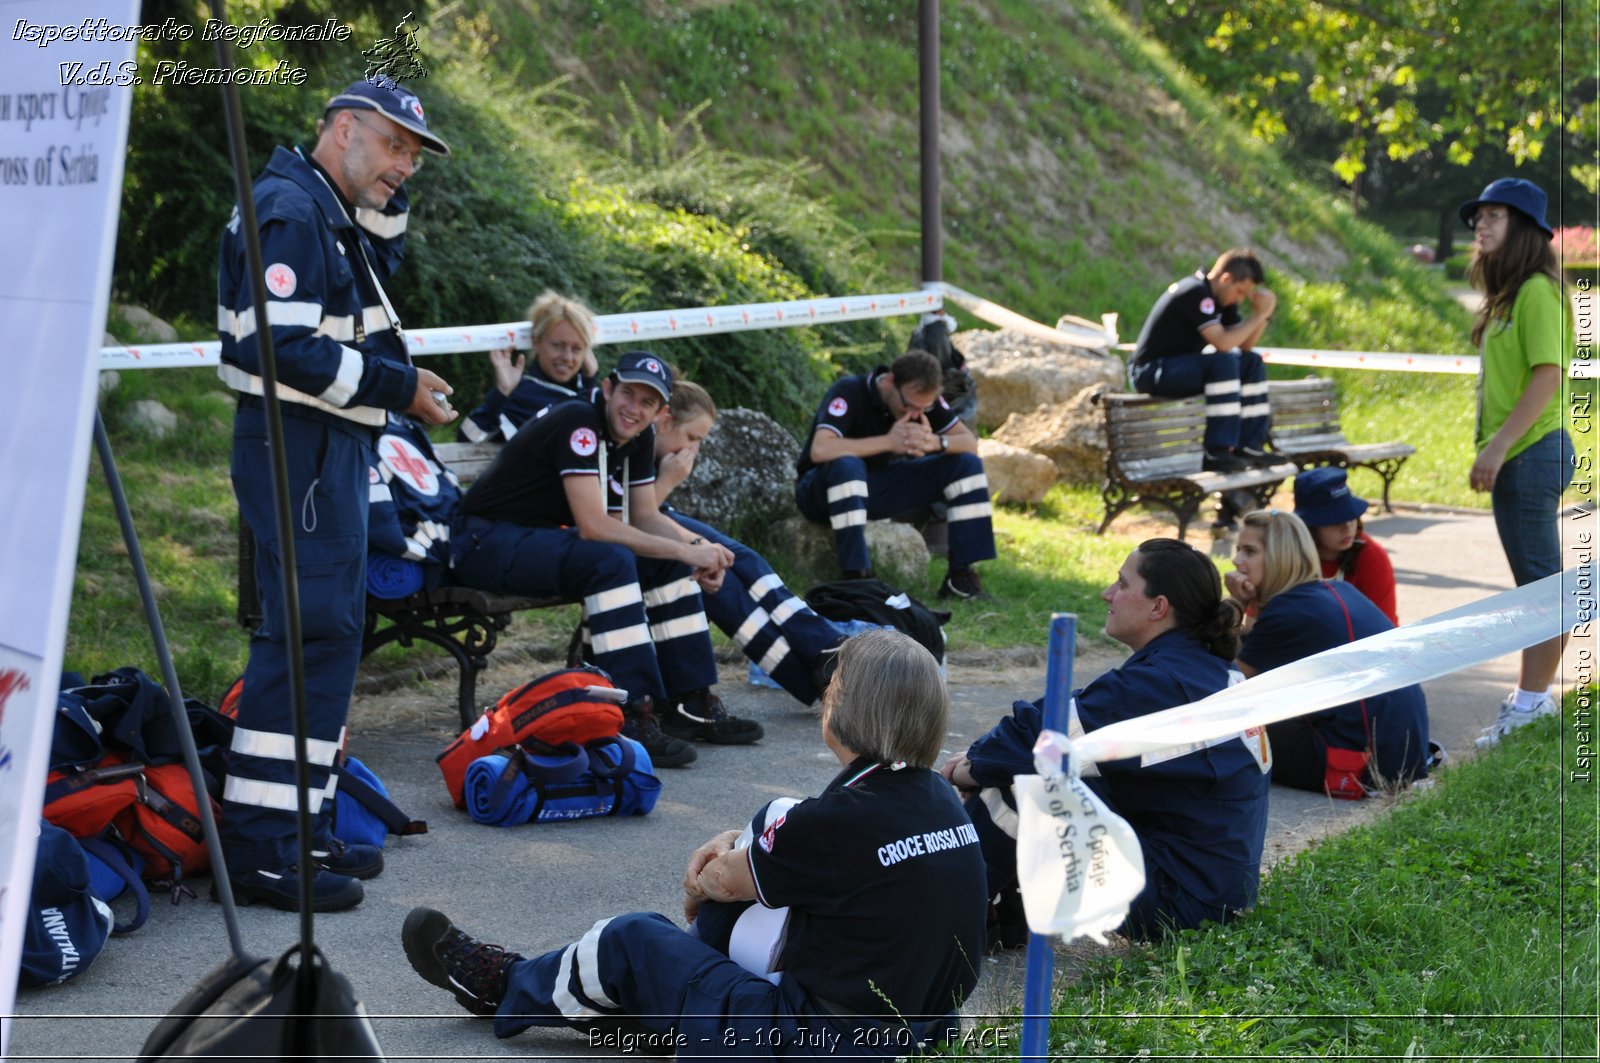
[[350, 858], [701, 717], [1511, 718], [1223, 461], [280, 889], [964, 583], [1257, 457], [475, 972], [639, 723]]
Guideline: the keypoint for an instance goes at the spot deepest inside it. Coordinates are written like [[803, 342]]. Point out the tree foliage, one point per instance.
[[1401, 77]]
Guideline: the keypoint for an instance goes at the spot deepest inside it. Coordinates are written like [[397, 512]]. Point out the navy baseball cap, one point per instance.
[[394, 103], [1516, 192], [1322, 497], [642, 367]]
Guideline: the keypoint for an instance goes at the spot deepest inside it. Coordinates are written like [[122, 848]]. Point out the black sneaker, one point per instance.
[[701, 717], [281, 889], [1258, 457], [350, 858], [964, 583], [475, 972], [639, 723], [1223, 461]]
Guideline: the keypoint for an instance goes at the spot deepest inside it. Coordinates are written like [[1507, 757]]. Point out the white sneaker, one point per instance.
[[1511, 718]]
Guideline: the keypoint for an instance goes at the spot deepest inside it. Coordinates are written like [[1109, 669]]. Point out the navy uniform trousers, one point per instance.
[[645, 617], [775, 628], [327, 460], [844, 493], [1233, 382], [643, 966]]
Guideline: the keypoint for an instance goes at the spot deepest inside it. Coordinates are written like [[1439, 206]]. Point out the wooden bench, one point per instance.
[[1305, 430], [1154, 449], [464, 622]]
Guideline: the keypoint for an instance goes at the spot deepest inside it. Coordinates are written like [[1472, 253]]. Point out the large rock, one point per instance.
[[745, 472], [1072, 434], [152, 418], [899, 554], [1018, 372], [1015, 474], [146, 325]]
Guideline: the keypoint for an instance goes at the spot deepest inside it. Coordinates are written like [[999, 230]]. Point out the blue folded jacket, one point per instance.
[[392, 577], [608, 777]]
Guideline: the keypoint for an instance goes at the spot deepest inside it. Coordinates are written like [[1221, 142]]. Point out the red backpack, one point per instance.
[[575, 705]]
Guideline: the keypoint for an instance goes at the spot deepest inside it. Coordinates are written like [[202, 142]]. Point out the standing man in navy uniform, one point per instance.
[[569, 508], [884, 443], [332, 228], [1167, 361]]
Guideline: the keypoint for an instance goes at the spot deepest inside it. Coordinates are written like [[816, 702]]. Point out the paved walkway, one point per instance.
[[539, 886]]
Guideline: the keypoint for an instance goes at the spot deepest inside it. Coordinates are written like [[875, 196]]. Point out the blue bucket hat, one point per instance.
[[1322, 497], [642, 367], [1515, 192], [394, 103]]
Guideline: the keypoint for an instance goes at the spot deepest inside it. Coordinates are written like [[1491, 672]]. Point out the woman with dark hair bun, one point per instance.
[[1201, 811]]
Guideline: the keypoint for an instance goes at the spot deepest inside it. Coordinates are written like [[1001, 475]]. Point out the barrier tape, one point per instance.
[[1390, 361], [995, 314], [609, 328], [1482, 631]]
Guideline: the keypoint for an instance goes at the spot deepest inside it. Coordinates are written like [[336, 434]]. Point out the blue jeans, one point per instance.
[[1526, 496]]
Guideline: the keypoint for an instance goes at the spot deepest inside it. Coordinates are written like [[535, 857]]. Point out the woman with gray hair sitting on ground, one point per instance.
[[880, 875]]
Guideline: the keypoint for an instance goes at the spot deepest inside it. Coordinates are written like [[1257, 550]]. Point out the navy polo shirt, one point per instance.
[[853, 410], [1174, 324]]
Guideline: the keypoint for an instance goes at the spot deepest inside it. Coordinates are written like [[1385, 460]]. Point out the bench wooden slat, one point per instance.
[[1305, 427]]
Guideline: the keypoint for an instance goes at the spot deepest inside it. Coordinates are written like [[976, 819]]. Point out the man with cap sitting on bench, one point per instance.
[[568, 508]]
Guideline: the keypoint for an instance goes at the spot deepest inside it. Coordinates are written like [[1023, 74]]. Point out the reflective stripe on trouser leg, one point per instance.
[[835, 493], [773, 627], [1222, 400], [971, 517], [327, 483], [677, 619], [1255, 410]]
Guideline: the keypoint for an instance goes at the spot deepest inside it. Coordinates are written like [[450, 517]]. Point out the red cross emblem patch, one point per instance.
[[1208, 305], [765, 841], [281, 280], [838, 406], [583, 442], [409, 464]]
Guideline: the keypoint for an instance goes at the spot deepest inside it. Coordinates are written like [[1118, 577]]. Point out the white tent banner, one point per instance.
[[62, 139]]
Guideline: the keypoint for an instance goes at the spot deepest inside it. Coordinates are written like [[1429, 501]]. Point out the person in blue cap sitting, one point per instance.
[[1525, 458], [1332, 513]]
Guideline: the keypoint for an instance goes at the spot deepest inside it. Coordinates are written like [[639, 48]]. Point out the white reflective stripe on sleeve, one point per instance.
[[966, 485], [381, 225], [1257, 388], [342, 329], [331, 791], [774, 655], [348, 378], [470, 429], [379, 493], [1001, 814], [278, 795], [274, 746], [561, 993], [291, 312], [1222, 387], [668, 593], [414, 552], [507, 429], [241, 325], [621, 639], [761, 587], [848, 489], [849, 519], [374, 319], [679, 627], [974, 511], [1075, 731], [750, 628], [785, 609], [1222, 409], [615, 598]]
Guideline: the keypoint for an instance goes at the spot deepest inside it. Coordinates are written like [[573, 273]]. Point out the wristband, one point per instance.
[[697, 540], [944, 443]]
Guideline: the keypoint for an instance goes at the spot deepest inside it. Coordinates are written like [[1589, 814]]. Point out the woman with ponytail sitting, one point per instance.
[[1344, 750], [1200, 813]]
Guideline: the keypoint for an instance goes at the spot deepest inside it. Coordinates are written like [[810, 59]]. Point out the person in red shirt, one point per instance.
[[1324, 502]]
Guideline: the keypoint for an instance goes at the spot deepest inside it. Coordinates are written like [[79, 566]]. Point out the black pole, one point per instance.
[[928, 68], [280, 488], [169, 675]]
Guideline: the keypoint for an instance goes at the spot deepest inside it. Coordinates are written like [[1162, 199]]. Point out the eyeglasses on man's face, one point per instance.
[[397, 148]]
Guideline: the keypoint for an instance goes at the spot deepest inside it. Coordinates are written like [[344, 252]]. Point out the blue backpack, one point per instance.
[[65, 925]]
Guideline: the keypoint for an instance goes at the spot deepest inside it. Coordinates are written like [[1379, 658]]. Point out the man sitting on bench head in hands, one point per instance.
[[569, 508]]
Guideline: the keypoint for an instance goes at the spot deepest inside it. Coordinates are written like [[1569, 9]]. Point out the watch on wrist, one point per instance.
[[944, 443]]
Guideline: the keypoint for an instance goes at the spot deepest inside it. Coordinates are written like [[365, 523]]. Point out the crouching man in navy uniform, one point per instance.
[[880, 875], [884, 443], [1201, 811], [332, 229], [569, 508]]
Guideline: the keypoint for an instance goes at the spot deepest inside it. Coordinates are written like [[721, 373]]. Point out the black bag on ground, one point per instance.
[[247, 1009], [878, 602]]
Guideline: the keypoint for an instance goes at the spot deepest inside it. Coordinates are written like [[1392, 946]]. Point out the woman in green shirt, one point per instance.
[[1525, 457]]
